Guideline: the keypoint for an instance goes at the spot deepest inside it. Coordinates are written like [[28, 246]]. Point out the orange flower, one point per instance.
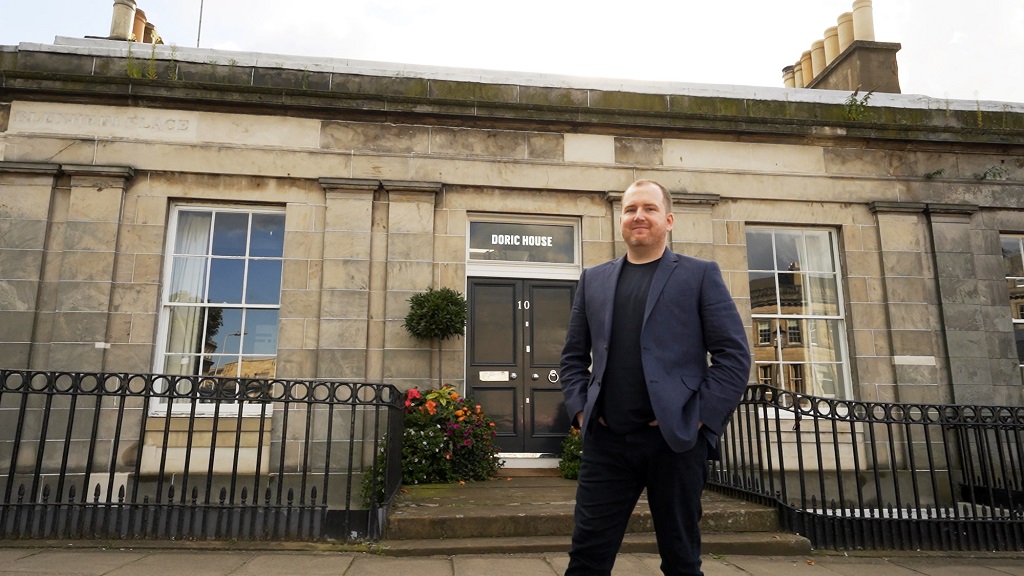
[[431, 407], [455, 395]]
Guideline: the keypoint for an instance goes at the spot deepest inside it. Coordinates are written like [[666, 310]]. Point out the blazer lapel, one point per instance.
[[608, 286], [667, 265]]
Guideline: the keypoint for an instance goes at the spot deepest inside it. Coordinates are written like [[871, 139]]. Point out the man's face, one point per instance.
[[644, 221]]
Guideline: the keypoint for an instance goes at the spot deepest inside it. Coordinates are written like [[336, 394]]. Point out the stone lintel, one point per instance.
[[410, 186], [349, 184], [908, 207], [681, 198], [122, 172], [952, 209], [7, 167]]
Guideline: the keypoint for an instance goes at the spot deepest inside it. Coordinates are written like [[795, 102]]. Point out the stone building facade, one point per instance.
[[183, 210]]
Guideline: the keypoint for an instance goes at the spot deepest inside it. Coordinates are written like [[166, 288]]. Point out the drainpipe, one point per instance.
[[122, 19]]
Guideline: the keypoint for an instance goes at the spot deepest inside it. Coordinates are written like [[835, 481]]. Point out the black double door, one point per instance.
[[516, 332]]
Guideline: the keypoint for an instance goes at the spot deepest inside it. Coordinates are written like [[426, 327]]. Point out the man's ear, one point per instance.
[[670, 218]]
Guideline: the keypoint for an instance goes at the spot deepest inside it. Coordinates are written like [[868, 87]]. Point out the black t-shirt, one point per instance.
[[625, 402]]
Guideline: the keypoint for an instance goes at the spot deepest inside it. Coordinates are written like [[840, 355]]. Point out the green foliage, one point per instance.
[[437, 314], [855, 107], [992, 173], [131, 65], [447, 439], [572, 455], [151, 68]]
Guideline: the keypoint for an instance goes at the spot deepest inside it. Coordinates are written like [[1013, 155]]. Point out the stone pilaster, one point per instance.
[[301, 295], [979, 338], [346, 307], [410, 269], [81, 262], [910, 308], [26, 191]]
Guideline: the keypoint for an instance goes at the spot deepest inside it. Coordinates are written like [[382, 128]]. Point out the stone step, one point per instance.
[[520, 507], [727, 544]]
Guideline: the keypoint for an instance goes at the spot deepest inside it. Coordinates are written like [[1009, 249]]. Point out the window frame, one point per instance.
[[1016, 320], [161, 354], [807, 339]]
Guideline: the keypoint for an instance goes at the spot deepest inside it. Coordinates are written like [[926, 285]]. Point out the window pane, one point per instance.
[[791, 293], [819, 252], [188, 279], [220, 365], [260, 336], [759, 250], [193, 234], [267, 235], [177, 364], [763, 298], [230, 230], [1018, 332], [789, 249], [264, 285], [827, 342], [258, 367], [226, 281], [1012, 262], [827, 380], [184, 330], [227, 336], [822, 295]]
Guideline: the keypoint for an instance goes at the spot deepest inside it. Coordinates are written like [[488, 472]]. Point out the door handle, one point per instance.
[[513, 376], [552, 376], [536, 376]]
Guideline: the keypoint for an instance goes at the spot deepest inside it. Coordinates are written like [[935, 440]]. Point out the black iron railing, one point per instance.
[[129, 456], [872, 475]]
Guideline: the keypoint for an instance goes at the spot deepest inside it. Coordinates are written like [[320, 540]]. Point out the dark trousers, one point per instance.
[[614, 471]]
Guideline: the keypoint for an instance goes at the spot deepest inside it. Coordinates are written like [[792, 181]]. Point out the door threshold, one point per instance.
[[529, 459]]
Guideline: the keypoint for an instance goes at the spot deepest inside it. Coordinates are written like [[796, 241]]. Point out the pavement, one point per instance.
[[26, 559]]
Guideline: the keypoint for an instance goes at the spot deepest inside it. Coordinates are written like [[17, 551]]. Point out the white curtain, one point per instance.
[[188, 280]]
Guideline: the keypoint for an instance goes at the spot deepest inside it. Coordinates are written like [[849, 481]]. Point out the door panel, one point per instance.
[[516, 333]]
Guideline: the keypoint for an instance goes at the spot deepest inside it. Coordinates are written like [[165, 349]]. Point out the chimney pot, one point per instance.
[[863, 21], [122, 19], [787, 77], [817, 57], [139, 27], [806, 67], [845, 30], [831, 44]]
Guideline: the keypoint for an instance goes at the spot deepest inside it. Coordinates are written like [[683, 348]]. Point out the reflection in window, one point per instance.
[[224, 293], [1013, 266], [797, 310]]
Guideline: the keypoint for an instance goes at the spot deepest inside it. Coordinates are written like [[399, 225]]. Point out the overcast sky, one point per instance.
[[957, 49]]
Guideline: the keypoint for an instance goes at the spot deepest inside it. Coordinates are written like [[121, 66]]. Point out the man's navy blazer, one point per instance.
[[693, 347]]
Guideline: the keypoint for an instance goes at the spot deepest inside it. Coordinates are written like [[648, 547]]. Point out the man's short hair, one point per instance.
[[665, 194]]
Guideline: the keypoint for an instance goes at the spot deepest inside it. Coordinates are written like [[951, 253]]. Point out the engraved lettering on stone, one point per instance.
[[134, 121]]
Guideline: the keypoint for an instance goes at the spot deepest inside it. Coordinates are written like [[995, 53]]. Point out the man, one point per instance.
[[638, 381]]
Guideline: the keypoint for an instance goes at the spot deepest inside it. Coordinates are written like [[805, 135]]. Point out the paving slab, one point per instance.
[[62, 562], [211, 563], [289, 564], [366, 565], [503, 566]]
